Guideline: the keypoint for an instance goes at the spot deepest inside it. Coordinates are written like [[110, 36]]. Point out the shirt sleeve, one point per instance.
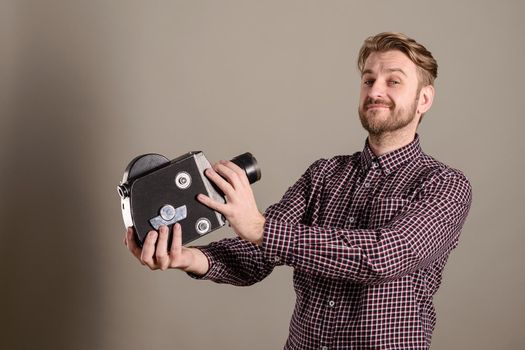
[[241, 263], [235, 261], [422, 232]]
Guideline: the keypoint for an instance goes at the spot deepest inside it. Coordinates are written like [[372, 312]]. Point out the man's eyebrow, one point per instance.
[[366, 71], [389, 70]]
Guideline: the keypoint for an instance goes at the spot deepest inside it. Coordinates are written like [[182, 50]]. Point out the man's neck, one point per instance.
[[388, 142]]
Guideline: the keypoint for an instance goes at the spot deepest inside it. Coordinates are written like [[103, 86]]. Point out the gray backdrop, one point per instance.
[[87, 85]]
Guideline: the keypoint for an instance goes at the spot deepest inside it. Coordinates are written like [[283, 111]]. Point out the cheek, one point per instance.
[[399, 98], [362, 96]]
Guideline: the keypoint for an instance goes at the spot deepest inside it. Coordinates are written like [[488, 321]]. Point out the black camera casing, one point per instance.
[[156, 191]]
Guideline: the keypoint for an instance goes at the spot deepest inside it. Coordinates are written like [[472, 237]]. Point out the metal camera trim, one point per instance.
[[200, 222], [183, 175]]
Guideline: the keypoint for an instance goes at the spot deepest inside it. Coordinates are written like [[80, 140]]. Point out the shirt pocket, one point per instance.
[[384, 210]]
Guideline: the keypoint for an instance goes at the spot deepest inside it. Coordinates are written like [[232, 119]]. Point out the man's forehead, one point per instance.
[[389, 61]]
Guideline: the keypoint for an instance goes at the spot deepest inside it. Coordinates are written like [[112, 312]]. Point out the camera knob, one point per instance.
[[167, 212], [203, 226], [183, 180], [123, 191]]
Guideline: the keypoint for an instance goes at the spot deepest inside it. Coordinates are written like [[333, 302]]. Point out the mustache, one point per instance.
[[371, 101]]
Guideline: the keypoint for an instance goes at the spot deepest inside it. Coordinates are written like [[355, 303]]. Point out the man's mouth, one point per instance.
[[377, 104]]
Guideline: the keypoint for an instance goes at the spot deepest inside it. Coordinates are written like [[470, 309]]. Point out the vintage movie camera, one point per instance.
[[155, 191]]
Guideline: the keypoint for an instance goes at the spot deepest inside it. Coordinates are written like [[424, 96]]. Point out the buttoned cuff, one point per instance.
[[210, 252], [278, 242]]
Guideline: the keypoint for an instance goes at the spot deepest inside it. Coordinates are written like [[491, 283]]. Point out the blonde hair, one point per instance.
[[387, 41]]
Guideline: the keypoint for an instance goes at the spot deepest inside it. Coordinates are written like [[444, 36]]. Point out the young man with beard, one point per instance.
[[368, 235]]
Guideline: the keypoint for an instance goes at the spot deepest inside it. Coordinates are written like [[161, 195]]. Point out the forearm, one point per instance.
[[234, 261], [395, 242], [367, 256]]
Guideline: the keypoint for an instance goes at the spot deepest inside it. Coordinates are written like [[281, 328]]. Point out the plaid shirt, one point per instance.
[[368, 238]]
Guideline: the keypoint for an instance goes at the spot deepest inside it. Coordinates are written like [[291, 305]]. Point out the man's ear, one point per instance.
[[426, 97]]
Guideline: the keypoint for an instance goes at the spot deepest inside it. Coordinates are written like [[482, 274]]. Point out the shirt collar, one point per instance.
[[389, 162]]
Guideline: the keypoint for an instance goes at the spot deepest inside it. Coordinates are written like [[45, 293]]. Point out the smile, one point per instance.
[[377, 107]]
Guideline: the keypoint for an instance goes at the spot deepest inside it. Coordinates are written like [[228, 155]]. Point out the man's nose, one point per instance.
[[377, 90]]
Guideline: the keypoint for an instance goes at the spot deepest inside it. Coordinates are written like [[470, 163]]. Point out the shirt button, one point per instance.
[[351, 219], [324, 347], [277, 259], [367, 184], [331, 303], [374, 165]]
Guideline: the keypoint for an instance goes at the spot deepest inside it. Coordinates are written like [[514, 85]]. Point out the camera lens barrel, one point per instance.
[[248, 162]]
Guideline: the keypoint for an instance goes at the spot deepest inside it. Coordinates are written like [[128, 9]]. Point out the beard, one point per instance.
[[396, 119]]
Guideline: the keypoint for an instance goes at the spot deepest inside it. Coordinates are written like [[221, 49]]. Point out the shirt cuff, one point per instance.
[[278, 242], [213, 268]]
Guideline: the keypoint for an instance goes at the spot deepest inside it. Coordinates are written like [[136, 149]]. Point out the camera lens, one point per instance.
[[248, 162]]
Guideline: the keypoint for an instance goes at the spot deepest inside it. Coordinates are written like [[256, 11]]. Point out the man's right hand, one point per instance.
[[155, 254]]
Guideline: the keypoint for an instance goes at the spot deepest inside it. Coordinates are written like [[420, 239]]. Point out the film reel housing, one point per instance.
[[155, 191]]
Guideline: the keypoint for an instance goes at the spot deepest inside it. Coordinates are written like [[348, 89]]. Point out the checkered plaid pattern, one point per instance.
[[368, 238]]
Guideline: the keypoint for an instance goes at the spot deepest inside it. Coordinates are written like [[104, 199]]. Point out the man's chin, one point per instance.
[[378, 111], [376, 117]]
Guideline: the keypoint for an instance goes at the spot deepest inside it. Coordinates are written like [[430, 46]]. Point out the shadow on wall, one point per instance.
[[50, 291]]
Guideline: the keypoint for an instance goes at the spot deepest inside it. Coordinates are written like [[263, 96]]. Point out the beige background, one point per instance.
[[87, 85]]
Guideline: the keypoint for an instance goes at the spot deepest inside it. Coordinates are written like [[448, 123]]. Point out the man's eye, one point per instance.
[[368, 82], [394, 82]]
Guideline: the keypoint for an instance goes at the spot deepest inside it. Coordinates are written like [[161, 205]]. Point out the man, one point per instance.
[[368, 235]]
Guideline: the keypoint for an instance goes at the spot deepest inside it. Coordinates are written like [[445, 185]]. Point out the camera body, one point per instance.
[[155, 191]]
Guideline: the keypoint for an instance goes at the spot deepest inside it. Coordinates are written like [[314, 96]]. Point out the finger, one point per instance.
[[229, 174], [148, 249], [131, 244], [237, 169], [161, 252], [218, 180], [176, 243], [213, 204]]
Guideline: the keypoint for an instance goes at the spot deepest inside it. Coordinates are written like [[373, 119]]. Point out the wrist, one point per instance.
[[260, 233], [198, 263]]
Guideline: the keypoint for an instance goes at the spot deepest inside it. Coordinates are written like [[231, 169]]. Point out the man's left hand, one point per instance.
[[240, 208]]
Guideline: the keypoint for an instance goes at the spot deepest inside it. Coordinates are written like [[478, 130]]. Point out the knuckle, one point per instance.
[[147, 260], [161, 254], [149, 263]]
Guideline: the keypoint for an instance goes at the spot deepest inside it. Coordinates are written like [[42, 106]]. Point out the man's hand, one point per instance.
[[240, 209], [155, 254]]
